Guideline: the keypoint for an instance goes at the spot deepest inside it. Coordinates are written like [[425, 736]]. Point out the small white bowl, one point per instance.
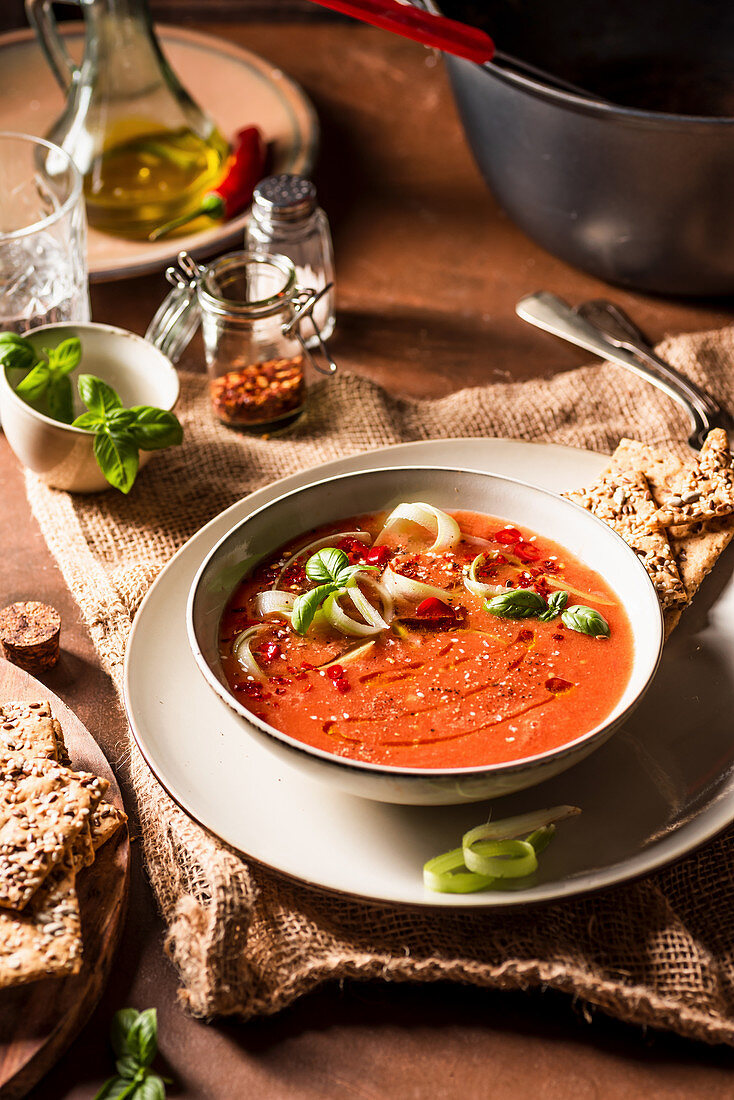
[[335, 499], [63, 456]]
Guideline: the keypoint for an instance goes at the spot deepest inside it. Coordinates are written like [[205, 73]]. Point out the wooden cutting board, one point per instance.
[[39, 1021]]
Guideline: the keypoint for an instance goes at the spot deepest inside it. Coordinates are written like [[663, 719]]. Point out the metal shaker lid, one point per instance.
[[284, 198]]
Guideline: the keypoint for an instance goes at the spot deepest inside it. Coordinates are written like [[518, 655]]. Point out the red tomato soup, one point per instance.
[[445, 682]]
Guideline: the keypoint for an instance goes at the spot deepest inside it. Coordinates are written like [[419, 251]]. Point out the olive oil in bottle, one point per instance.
[[146, 151], [138, 183]]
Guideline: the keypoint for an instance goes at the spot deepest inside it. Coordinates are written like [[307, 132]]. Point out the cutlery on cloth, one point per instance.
[[603, 328]]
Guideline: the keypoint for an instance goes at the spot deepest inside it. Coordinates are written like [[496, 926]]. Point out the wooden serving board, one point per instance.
[[38, 1021]]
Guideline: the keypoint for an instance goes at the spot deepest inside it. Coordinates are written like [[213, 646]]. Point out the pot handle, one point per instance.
[[41, 18], [552, 314]]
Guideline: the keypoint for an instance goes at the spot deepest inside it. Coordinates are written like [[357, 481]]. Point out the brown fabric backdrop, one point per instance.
[[660, 951]]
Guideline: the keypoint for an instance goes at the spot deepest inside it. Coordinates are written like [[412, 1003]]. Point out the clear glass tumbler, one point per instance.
[[43, 235]]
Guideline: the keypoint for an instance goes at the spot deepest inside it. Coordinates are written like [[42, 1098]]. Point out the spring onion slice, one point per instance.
[[475, 540], [447, 530], [495, 854], [329, 540], [509, 828], [241, 652], [388, 606], [342, 622], [501, 858], [349, 655], [480, 588], [369, 613], [274, 602], [403, 588], [447, 874], [541, 838]]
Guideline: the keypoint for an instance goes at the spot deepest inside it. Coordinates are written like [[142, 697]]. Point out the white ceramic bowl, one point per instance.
[[335, 499], [63, 456]]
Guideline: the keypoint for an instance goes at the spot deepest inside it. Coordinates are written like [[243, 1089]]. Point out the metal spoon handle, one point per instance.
[[552, 314], [624, 333]]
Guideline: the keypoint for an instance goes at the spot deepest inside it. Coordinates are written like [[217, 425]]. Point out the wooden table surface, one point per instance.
[[429, 270]]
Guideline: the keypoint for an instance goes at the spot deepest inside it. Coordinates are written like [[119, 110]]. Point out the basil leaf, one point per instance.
[[142, 1038], [97, 395], [34, 385], [326, 565], [121, 1024], [519, 603], [307, 604], [556, 603], [345, 576], [116, 1088], [154, 428], [90, 421], [586, 620], [59, 400], [16, 352], [65, 356], [127, 1066], [119, 419], [152, 1088], [117, 458]]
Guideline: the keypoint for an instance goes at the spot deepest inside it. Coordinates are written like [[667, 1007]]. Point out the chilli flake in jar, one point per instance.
[[256, 320]]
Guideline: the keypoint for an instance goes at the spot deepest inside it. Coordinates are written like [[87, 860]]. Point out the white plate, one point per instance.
[[236, 87], [661, 786]]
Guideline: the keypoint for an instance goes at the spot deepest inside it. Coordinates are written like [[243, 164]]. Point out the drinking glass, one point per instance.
[[43, 235]]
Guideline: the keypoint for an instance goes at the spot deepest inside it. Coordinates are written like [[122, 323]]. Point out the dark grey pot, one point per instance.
[[642, 198]]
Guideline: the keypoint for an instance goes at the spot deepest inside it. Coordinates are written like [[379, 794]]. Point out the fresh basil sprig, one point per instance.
[[120, 433], [586, 620], [518, 603], [330, 569], [325, 565], [16, 352], [134, 1037], [307, 604], [556, 603], [47, 386], [524, 603]]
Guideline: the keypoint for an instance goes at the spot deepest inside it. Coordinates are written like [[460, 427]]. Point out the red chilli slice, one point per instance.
[[378, 555], [526, 552], [558, 686], [507, 536], [433, 608]]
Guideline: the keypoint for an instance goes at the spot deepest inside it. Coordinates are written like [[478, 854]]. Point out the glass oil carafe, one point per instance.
[[146, 151]]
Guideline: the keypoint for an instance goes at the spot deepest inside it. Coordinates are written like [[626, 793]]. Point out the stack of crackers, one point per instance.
[[52, 822], [677, 516]]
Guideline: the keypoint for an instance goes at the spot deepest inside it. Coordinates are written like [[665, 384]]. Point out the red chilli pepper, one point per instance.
[[378, 555], [433, 608], [233, 193]]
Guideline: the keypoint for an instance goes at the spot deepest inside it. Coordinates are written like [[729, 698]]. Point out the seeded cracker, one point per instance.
[[696, 548], [43, 808], [103, 822], [704, 491], [30, 729], [624, 501], [45, 939]]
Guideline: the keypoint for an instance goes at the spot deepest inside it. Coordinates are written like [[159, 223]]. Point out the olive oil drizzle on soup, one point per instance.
[[447, 684]]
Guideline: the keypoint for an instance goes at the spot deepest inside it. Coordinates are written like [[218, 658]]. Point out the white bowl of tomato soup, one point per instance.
[[426, 635]]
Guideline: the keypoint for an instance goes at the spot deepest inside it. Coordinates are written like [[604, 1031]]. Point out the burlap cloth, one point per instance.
[[245, 941]]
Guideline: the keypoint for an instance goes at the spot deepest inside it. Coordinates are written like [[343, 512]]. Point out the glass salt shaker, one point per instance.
[[251, 308], [286, 219]]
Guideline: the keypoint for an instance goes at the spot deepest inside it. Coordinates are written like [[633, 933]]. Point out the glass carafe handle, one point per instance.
[[41, 18]]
